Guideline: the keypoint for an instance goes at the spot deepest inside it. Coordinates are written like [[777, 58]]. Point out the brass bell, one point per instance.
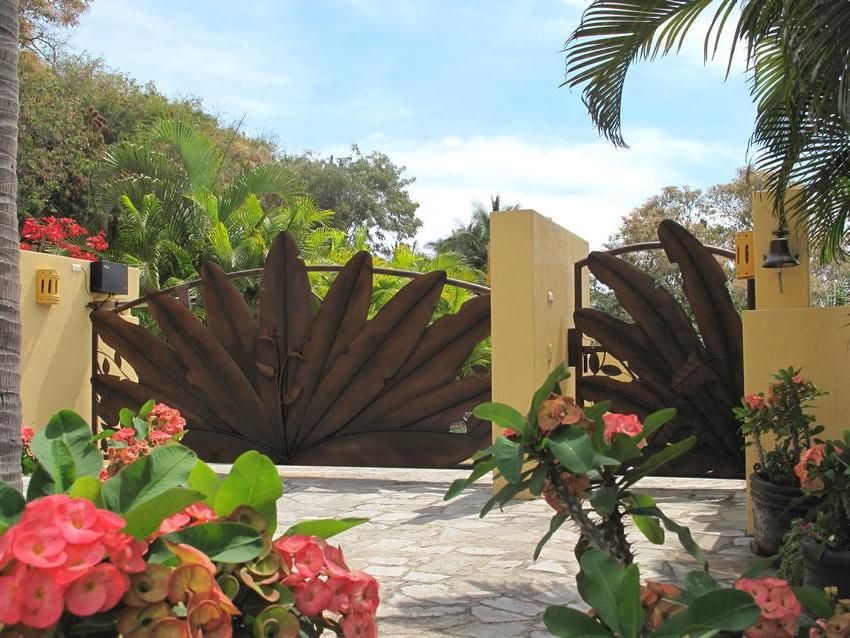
[[779, 255]]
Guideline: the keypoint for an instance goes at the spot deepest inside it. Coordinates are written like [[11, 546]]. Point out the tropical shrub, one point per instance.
[[782, 415], [62, 236], [586, 463], [162, 547], [824, 471]]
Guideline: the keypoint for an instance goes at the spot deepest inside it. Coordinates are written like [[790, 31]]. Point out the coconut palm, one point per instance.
[[472, 240], [10, 282], [797, 62]]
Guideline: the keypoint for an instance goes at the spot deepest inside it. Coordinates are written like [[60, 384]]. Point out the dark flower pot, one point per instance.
[[772, 515], [832, 569]]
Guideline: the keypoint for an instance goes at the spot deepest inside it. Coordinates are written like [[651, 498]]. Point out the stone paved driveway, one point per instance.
[[445, 572]]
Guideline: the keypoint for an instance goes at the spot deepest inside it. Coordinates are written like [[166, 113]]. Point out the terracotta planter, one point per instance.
[[772, 514], [832, 569]]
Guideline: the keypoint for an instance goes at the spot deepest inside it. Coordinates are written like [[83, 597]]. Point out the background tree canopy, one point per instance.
[[713, 216]]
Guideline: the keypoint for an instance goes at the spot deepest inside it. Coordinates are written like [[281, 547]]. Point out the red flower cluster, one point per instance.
[[165, 425], [64, 234], [55, 557], [627, 424], [814, 456], [321, 581], [195, 514], [779, 607]]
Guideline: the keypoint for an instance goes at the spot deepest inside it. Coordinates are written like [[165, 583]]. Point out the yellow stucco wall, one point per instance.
[[531, 274], [56, 339]]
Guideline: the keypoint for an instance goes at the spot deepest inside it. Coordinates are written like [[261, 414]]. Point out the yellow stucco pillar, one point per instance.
[[782, 330], [532, 293]]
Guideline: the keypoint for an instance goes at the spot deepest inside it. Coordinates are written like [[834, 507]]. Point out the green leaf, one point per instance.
[[631, 612], [697, 584], [12, 505], [603, 586], [509, 456], [105, 433], [556, 522], [648, 526], [682, 532], [41, 484], [758, 567], [253, 481], [654, 421], [538, 480], [164, 468], [658, 459], [145, 517], [565, 622], [815, 600], [88, 487], [222, 541], [146, 408], [724, 609], [69, 427], [558, 374], [604, 499], [624, 448], [502, 496], [458, 485], [203, 479], [574, 449], [502, 415], [125, 417], [141, 427], [324, 527], [64, 469], [597, 410]]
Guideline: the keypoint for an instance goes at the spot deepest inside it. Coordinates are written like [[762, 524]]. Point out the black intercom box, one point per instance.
[[109, 278]]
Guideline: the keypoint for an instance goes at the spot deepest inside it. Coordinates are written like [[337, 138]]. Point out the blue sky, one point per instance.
[[463, 93]]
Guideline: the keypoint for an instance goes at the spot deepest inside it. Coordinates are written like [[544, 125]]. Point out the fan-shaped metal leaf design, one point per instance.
[[700, 374], [309, 386]]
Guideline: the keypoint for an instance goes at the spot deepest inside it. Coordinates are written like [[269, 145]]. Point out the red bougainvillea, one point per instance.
[[62, 235]]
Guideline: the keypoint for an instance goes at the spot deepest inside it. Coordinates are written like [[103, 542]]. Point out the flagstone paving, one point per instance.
[[444, 571]]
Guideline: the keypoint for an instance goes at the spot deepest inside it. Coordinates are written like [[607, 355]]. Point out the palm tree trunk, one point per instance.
[[10, 280]]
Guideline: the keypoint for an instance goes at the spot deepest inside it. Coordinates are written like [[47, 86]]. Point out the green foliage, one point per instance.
[[797, 65], [790, 566], [324, 528], [221, 541], [364, 191], [75, 107], [253, 481], [472, 240]]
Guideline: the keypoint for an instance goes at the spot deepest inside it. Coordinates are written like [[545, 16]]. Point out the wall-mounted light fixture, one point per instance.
[[47, 286]]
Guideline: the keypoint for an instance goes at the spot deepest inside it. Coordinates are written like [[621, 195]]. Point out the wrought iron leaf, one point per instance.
[[704, 284]]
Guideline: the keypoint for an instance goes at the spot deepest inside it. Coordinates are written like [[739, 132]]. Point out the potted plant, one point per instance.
[[587, 464], [824, 472], [780, 417], [158, 545]]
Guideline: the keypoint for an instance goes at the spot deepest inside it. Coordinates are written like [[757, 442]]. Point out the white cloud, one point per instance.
[[586, 186], [234, 70]]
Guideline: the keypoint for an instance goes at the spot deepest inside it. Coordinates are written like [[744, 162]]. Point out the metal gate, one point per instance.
[[664, 357], [305, 380]]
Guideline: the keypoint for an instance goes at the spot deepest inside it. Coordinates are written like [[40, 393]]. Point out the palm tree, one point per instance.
[[797, 62], [174, 212], [10, 283], [473, 239]]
